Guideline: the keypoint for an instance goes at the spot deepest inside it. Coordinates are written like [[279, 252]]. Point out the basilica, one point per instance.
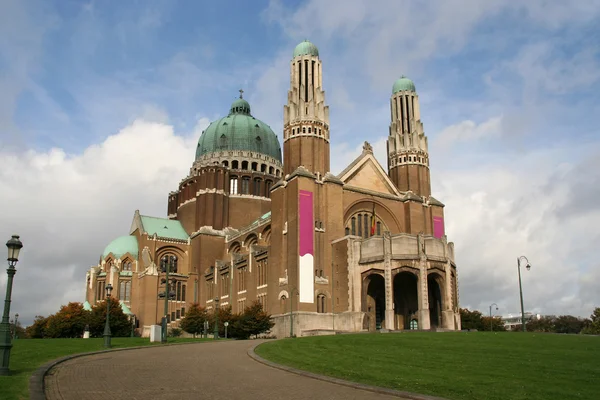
[[364, 250]]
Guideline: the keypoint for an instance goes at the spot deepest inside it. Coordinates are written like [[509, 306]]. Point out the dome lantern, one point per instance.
[[403, 84]]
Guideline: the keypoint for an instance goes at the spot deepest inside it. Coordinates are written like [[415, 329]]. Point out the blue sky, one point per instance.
[[509, 94]]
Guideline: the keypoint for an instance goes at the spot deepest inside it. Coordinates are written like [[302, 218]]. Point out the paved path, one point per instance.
[[213, 371]]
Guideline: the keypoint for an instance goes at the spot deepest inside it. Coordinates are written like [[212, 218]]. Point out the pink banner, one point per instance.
[[438, 227], [306, 263], [306, 222]]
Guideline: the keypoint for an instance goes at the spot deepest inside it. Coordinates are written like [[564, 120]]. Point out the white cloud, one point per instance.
[[466, 131], [68, 207]]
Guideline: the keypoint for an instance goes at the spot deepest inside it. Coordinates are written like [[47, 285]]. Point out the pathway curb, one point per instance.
[[376, 389], [36, 381]]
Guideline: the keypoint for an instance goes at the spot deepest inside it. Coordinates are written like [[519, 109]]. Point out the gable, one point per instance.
[[367, 173]]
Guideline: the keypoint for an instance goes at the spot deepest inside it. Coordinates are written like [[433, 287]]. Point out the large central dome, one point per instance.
[[239, 131]]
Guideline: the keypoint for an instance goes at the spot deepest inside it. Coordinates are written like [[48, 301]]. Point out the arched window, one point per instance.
[[256, 190], [168, 260], [244, 164], [127, 265], [233, 185], [353, 225], [321, 303], [183, 295], [378, 228], [235, 164], [254, 166], [125, 290], [263, 167], [271, 169], [226, 163], [178, 291], [268, 188], [245, 185]]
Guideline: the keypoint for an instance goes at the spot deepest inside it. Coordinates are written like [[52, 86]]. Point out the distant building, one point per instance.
[[359, 251], [514, 320]]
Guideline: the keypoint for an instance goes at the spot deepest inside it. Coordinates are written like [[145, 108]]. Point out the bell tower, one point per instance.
[[305, 116], [408, 156]]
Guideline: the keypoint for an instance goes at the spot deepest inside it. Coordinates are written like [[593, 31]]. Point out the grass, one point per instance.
[[459, 365], [27, 355]]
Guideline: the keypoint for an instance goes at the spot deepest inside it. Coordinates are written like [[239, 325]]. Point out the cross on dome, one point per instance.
[[241, 93]]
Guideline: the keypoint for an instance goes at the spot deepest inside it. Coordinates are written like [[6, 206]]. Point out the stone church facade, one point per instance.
[[364, 250]]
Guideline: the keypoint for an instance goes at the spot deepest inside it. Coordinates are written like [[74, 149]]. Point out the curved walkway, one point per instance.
[[221, 370]]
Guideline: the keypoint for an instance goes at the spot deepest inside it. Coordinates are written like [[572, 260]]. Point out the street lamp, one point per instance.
[[292, 315], [16, 322], [528, 266], [132, 324], [107, 334], [166, 262], [491, 320], [14, 247], [216, 317]]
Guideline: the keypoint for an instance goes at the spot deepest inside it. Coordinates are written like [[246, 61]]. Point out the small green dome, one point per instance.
[[239, 131], [403, 84], [306, 48], [121, 246]]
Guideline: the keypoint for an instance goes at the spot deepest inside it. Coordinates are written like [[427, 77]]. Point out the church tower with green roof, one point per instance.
[[305, 116]]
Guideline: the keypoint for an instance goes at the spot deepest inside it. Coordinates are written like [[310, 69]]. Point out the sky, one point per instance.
[[102, 103]]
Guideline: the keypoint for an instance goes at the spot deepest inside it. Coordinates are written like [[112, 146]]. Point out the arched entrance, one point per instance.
[[406, 300], [435, 300], [374, 304]]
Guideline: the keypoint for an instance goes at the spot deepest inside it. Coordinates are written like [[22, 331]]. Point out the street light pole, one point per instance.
[[16, 322], [528, 266], [216, 318], [491, 320], [14, 247], [107, 333]]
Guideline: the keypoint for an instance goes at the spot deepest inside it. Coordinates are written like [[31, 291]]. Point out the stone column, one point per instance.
[[422, 288], [447, 310], [389, 294]]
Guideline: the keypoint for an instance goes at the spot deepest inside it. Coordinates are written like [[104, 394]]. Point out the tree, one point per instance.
[[543, 324], [471, 320], [253, 321], [568, 324], [68, 322], [38, 328], [119, 322], [225, 315], [593, 326], [193, 321], [496, 324]]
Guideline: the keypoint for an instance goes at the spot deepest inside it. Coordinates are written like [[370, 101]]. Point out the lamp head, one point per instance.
[[108, 290], [216, 299], [14, 247], [17, 315], [528, 266], [496, 308]]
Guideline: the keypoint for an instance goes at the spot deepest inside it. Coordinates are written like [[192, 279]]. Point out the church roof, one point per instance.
[[125, 309], [306, 48], [239, 130], [87, 306], [163, 227], [121, 246], [403, 84]]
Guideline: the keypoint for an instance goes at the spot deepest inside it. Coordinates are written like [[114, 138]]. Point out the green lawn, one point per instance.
[[27, 355], [458, 365]]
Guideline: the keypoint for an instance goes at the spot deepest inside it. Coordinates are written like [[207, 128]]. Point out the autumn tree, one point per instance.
[[253, 321], [471, 320], [193, 321], [225, 315], [68, 322], [38, 328], [120, 325], [495, 323]]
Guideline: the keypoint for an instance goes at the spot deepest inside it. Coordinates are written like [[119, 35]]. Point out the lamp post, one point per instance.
[[528, 266], [491, 320], [292, 315], [14, 246], [107, 334], [16, 322], [216, 318], [132, 324]]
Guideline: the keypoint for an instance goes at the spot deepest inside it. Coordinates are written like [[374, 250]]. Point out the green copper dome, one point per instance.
[[239, 131], [306, 48], [403, 84], [121, 246]]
